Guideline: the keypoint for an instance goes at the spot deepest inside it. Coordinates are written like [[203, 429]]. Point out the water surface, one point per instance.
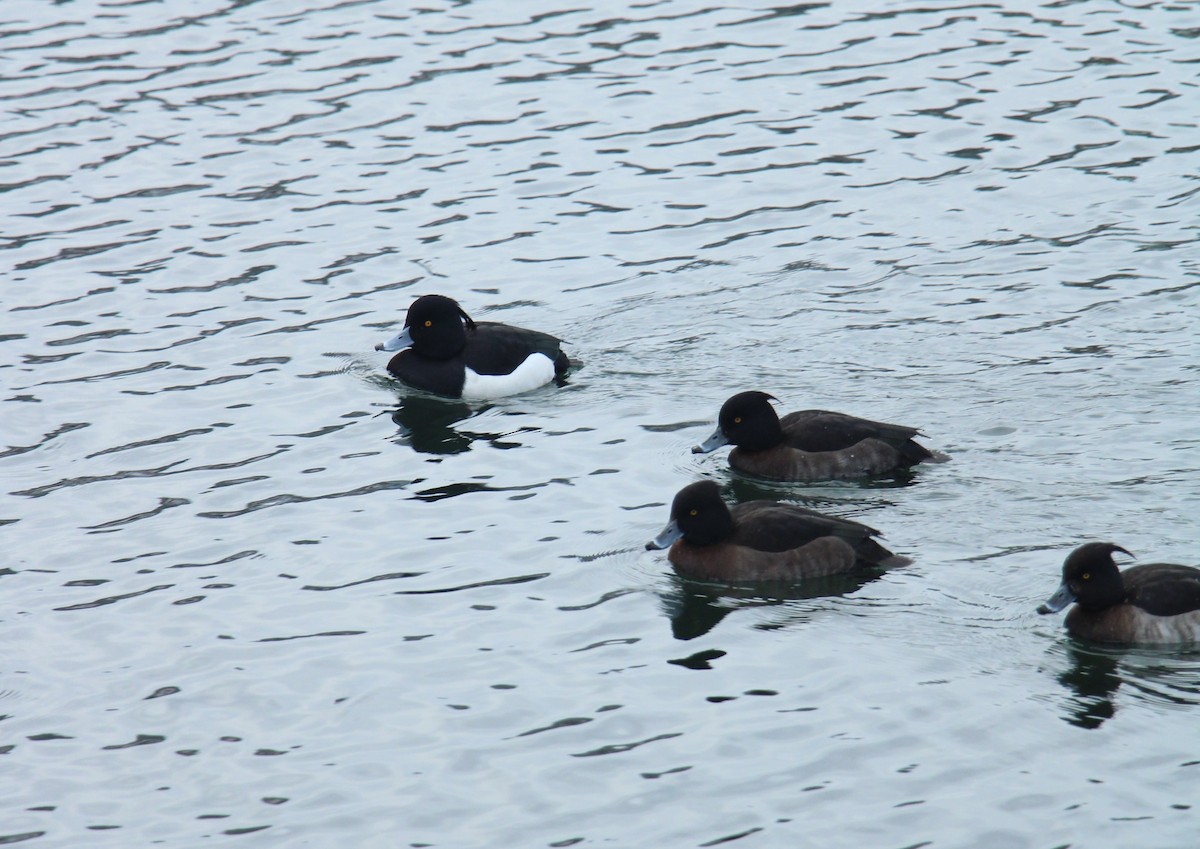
[[255, 588]]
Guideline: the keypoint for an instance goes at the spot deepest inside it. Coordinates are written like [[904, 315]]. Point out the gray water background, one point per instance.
[[256, 594]]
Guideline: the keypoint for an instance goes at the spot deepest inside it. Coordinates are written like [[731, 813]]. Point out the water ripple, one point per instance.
[[973, 217]]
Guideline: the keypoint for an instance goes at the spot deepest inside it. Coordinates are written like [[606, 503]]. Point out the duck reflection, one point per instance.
[[1095, 673], [695, 608], [1092, 677], [816, 497], [427, 425]]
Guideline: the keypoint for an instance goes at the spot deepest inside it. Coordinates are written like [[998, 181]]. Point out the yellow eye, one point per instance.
[[737, 419], [1087, 576], [428, 323], [693, 512]]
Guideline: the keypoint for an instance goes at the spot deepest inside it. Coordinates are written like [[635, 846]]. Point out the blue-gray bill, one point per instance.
[[665, 537], [402, 340], [712, 443], [1061, 598]]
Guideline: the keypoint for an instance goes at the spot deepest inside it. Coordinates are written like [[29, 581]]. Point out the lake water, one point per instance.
[[254, 589]]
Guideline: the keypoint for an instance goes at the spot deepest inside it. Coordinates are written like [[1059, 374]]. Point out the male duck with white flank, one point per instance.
[[443, 351]]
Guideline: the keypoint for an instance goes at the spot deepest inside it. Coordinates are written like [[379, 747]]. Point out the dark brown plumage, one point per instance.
[[1148, 603], [810, 444], [763, 540]]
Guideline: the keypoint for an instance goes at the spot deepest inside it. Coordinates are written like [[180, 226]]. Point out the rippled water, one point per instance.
[[251, 588]]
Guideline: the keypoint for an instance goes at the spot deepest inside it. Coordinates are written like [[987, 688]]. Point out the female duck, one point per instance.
[[442, 350], [762, 540], [811, 444], [1150, 603]]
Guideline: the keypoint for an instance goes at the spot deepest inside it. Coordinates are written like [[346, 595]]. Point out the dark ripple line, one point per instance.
[[32, 238], [497, 582], [977, 43], [438, 493], [841, 158], [164, 504], [140, 740], [159, 471], [231, 558], [403, 196], [929, 178], [388, 577], [385, 287], [90, 336], [113, 599], [103, 290], [489, 26], [1055, 106], [251, 275], [617, 748], [751, 234], [306, 636], [482, 122], [8, 187], [65, 427], [204, 334], [129, 150], [675, 125], [616, 641], [312, 325], [90, 85], [243, 137], [1060, 157], [729, 838], [608, 596], [157, 192], [288, 498], [87, 378], [188, 387], [76, 253], [39, 491], [710, 220], [791, 11], [6, 839], [569, 722]]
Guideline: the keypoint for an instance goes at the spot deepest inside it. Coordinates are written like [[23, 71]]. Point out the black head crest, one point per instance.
[[467, 320]]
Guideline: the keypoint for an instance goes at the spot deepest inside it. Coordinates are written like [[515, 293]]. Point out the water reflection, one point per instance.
[[427, 424], [1092, 678], [695, 608], [818, 496], [1162, 678]]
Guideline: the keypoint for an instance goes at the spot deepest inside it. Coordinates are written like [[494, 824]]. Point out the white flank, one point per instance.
[[537, 370]]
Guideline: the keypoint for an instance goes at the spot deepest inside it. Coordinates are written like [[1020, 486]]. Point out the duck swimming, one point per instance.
[[444, 351], [763, 540], [1148, 603], [810, 445]]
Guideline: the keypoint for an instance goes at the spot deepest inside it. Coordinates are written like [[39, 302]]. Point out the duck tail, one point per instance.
[[872, 552]]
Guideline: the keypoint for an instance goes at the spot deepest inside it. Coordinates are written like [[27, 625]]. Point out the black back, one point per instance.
[[1163, 589], [822, 430], [494, 348]]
